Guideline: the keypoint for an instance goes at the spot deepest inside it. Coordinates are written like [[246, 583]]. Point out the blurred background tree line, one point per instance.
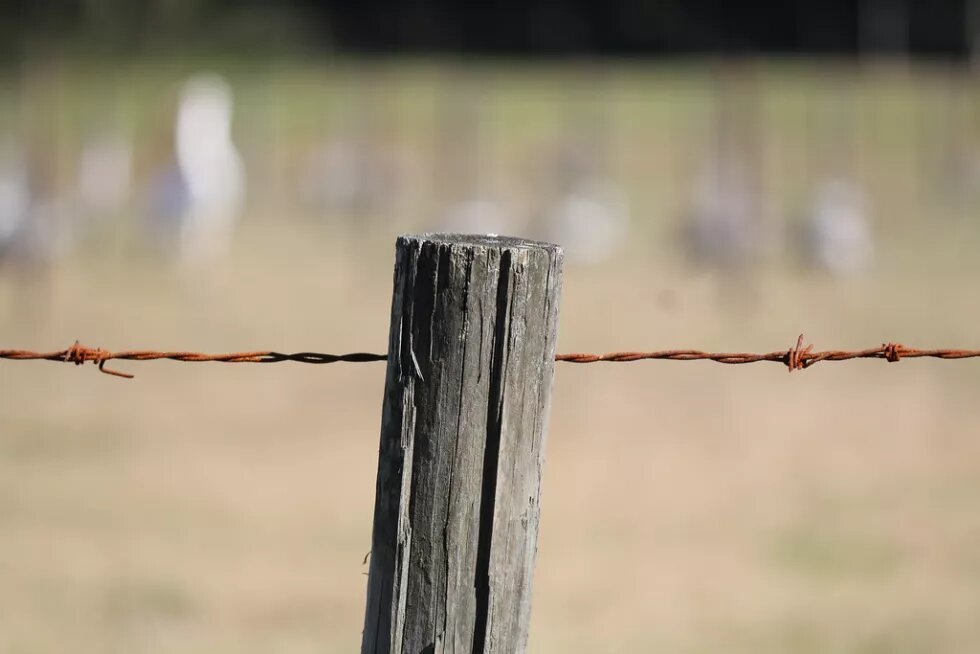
[[945, 28]]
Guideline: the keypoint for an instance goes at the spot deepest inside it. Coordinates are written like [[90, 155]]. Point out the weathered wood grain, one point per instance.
[[472, 348]]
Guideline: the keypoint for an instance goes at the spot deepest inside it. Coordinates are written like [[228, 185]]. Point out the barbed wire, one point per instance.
[[799, 357], [79, 354]]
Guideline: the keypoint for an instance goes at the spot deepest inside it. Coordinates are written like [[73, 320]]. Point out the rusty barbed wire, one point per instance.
[[79, 354], [799, 357]]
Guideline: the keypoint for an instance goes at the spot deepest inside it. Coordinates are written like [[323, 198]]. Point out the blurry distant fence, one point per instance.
[[470, 363]]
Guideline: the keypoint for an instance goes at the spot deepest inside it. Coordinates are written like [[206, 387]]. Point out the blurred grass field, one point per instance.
[[688, 507]]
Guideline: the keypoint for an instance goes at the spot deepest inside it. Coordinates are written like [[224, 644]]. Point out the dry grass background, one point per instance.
[[688, 507]]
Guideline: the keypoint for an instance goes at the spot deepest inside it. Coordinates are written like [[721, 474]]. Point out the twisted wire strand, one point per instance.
[[798, 357]]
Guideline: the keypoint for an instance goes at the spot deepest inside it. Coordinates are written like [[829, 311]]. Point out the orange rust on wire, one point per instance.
[[798, 357]]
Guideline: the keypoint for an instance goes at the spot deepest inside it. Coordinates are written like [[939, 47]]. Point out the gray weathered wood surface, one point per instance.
[[471, 360]]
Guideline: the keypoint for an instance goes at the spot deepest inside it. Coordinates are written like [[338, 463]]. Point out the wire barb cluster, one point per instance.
[[798, 357]]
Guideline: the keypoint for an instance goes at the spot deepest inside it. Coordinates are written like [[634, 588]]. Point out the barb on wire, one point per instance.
[[798, 357]]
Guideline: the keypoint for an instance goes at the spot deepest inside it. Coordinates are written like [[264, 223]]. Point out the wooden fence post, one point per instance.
[[471, 360]]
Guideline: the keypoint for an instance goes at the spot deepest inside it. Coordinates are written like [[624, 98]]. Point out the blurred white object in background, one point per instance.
[[36, 230], [587, 214], [585, 210], [34, 225], [354, 171], [723, 231], [14, 194], [837, 234], [726, 230], [211, 169], [590, 223], [105, 171], [349, 176]]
